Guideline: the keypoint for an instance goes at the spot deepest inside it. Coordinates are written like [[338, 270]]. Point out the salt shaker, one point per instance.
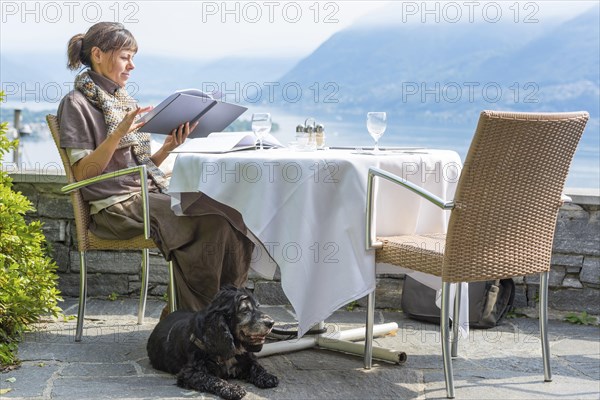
[[309, 131], [299, 133], [320, 136]]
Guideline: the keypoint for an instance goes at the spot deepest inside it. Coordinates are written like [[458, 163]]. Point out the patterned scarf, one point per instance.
[[114, 107]]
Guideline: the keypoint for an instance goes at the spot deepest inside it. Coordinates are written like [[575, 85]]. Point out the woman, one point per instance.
[[209, 244]]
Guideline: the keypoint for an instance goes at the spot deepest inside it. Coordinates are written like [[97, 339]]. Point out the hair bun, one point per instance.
[[75, 51]]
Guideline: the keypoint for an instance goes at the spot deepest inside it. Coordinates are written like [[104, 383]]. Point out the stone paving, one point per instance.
[[501, 363]]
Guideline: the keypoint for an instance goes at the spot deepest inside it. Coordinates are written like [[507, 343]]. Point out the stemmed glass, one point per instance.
[[261, 125], [376, 124]]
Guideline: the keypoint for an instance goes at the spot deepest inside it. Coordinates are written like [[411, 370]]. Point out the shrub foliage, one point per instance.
[[28, 287]]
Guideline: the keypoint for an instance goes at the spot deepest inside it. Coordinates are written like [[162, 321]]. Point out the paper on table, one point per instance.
[[223, 142]]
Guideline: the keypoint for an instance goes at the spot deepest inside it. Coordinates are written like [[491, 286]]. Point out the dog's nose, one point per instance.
[[268, 321]]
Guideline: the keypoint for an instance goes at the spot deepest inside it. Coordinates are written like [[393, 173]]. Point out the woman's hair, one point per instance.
[[107, 36]]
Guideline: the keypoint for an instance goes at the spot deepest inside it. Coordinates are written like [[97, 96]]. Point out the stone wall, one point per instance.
[[574, 277], [575, 273]]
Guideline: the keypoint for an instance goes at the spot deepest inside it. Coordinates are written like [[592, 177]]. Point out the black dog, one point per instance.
[[209, 346]]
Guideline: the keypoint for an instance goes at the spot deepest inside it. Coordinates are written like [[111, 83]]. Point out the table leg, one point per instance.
[[338, 341]]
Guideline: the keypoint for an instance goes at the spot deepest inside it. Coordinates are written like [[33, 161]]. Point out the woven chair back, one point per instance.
[[81, 208], [509, 194]]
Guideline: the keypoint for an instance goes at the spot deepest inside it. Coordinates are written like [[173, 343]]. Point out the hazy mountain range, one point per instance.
[[447, 73], [154, 76], [425, 74]]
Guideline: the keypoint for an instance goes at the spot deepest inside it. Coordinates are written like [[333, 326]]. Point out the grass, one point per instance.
[[582, 318]]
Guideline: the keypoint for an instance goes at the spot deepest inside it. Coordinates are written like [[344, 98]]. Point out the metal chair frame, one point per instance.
[[81, 211], [556, 133]]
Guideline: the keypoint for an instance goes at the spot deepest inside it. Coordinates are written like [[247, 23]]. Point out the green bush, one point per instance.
[[27, 275]]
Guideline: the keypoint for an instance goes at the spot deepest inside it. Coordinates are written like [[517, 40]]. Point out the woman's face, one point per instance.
[[114, 65]]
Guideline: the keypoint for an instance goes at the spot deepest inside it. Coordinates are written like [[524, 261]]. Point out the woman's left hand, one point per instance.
[[172, 141], [178, 136]]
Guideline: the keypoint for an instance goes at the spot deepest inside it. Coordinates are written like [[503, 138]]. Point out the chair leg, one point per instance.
[[171, 289], [444, 322], [144, 289], [82, 296], [369, 330], [544, 326], [455, 323]]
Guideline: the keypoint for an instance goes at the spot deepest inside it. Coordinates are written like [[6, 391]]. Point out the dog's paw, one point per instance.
[[266, 380], [232, 392]]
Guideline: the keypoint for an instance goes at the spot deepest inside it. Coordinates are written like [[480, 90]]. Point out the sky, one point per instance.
[[186, 29], [215, 29]]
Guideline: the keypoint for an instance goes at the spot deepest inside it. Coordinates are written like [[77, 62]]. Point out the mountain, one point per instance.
[[32, 79], [432, 74], [159, 76], [44, 78], [569, 51], [564, 63]]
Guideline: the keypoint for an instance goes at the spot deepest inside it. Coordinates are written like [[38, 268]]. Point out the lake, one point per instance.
[[40, 154]]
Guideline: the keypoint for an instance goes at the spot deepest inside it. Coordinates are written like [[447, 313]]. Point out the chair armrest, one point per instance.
[[140, 169], [376, 172]]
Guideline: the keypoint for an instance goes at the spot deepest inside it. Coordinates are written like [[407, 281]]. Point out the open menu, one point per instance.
[[191, 105], [224, 142]]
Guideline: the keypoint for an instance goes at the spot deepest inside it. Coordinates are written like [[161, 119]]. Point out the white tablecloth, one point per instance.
[[308, 209]]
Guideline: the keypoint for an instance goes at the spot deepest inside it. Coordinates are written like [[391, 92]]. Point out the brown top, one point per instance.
[[82, 126]]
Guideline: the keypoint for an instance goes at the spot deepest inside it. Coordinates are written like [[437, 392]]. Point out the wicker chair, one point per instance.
[[502, 217], [86, 240]]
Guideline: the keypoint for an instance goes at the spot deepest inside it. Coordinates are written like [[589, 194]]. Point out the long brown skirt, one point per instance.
[[208, 245]]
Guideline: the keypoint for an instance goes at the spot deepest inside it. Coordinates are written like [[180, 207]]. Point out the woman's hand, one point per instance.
[[176, 138], [94, 163], [127, 124]]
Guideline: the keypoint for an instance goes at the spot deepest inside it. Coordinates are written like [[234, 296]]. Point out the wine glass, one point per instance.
[[376, 124], [261, 125]]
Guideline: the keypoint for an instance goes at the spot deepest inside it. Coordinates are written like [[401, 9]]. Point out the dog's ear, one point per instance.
[[217, 336], [243, 294]]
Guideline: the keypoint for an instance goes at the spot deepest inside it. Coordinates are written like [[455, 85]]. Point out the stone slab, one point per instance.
[[578, 232], [590, 272], [577, 300], [572, 282], [388, 293], [101, 285], [155, 290], [270, 292], [503, 384], [101, 370], [567, 260], [143, 387], [55, 230], [50, 176], [109, 262], [587, 196], [503, 362], [31, 379], [54, 206]]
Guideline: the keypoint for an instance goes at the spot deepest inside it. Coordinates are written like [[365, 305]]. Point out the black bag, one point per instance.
[[489, 301]]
